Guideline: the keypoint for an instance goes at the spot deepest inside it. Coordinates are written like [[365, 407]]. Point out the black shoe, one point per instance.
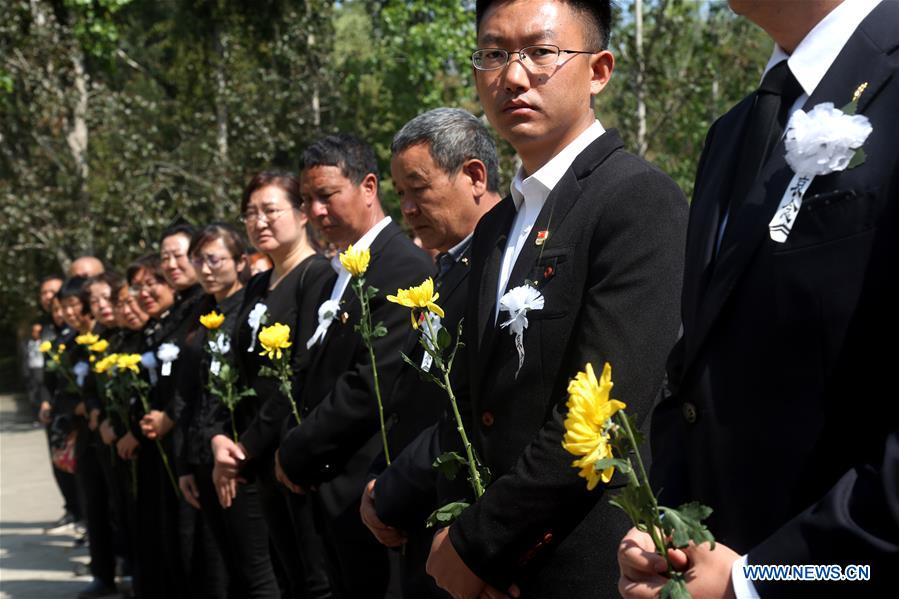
[[97, 588], [61, 526]]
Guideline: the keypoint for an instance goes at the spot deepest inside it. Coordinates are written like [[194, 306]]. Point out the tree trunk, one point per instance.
[[221, 120], [640, 79]]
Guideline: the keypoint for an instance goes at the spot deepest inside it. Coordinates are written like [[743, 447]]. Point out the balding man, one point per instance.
[[86, 266]]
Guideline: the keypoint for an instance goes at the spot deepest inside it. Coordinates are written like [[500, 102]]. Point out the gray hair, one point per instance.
[[453, 136]]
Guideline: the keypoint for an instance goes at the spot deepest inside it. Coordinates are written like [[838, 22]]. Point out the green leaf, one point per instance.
[[675, 588], [446, 514], [684, 524], [449, 464], [380, 331], [850, 108], [624, 466], [444, 339], [857, 159]]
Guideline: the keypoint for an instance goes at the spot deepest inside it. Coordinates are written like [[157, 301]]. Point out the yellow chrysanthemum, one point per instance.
[[106, 363], [60, 348], [213, 320], [86, 339], [418, 298], [128, 362], [586, 427], [100, 346], [273, 339], [355, 261], [45, 347]]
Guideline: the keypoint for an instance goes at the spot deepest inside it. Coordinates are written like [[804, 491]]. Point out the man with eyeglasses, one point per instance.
[[597, 234]]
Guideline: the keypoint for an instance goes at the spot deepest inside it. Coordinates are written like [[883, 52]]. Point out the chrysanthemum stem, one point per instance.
[[655, 526], [366, 331], [473, 473]]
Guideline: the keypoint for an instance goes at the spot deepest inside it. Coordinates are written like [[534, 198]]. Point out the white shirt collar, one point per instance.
[[538, 186], [817, 51], [364, 242]]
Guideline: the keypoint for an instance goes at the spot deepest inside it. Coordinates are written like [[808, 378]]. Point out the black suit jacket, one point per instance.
[[610, 274], [783, 412], [340, 433]]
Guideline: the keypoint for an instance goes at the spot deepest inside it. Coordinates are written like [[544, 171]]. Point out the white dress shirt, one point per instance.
[[531, 192], [809, 62], [343, 275]]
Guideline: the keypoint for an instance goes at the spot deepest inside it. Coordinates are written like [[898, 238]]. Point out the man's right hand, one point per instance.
[[188, 485], [386, 535], [107, 432], [228, 457], [642, 570], [127, 446]]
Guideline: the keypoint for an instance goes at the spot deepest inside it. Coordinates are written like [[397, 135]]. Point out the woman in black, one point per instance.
[[241, 534], [288, 294]]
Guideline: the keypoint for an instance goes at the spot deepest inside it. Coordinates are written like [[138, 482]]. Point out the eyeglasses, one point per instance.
[[546, 55], [212, 261], [147, 285], [269, 214]]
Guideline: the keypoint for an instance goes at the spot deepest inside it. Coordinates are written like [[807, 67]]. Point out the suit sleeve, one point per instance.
[[348, 416], [856, 522], [629, 317]]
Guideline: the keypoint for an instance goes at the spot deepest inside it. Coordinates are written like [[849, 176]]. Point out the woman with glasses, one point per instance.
[[160, 571], [218, 255], [289, 293]]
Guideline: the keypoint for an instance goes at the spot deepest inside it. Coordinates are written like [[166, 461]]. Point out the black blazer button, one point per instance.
[[689, 412], [487, 418]]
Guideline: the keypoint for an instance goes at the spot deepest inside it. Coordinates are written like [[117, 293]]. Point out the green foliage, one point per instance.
[[446, 514]]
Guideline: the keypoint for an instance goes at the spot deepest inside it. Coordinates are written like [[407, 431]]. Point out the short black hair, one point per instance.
[[51, 277], [355, 158], [598, 11], [75, 287], [179, 227]]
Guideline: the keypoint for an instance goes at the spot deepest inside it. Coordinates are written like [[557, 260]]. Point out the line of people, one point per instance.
[[295, 493]]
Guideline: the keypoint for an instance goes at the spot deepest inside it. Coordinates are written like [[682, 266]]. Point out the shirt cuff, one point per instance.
[[743, 587]]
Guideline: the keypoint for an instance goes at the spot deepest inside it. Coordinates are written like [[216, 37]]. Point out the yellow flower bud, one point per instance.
[[213, 320], [355, 261]]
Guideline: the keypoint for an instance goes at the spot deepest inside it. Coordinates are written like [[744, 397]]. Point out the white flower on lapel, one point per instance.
[[148, 361], [518, 302], [81, 369], [255, 319], [168, 353], [824, 139], [215, 367], [327, 312]]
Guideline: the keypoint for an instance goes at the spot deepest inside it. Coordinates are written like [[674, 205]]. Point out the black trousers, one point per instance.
[[241, 535], [357, 564], [297, 544], [157, 543], [201, 559], [68, 486], [98, 503], [416, 582]]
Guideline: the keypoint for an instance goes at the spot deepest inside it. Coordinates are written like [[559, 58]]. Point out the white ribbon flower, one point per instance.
[[429, 334], [81, 369], [254, 319], [148, 361], [327, 312], [221, 344], [824, 140], [168, 353], [819, 142], [518, 302], [215, 367]]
